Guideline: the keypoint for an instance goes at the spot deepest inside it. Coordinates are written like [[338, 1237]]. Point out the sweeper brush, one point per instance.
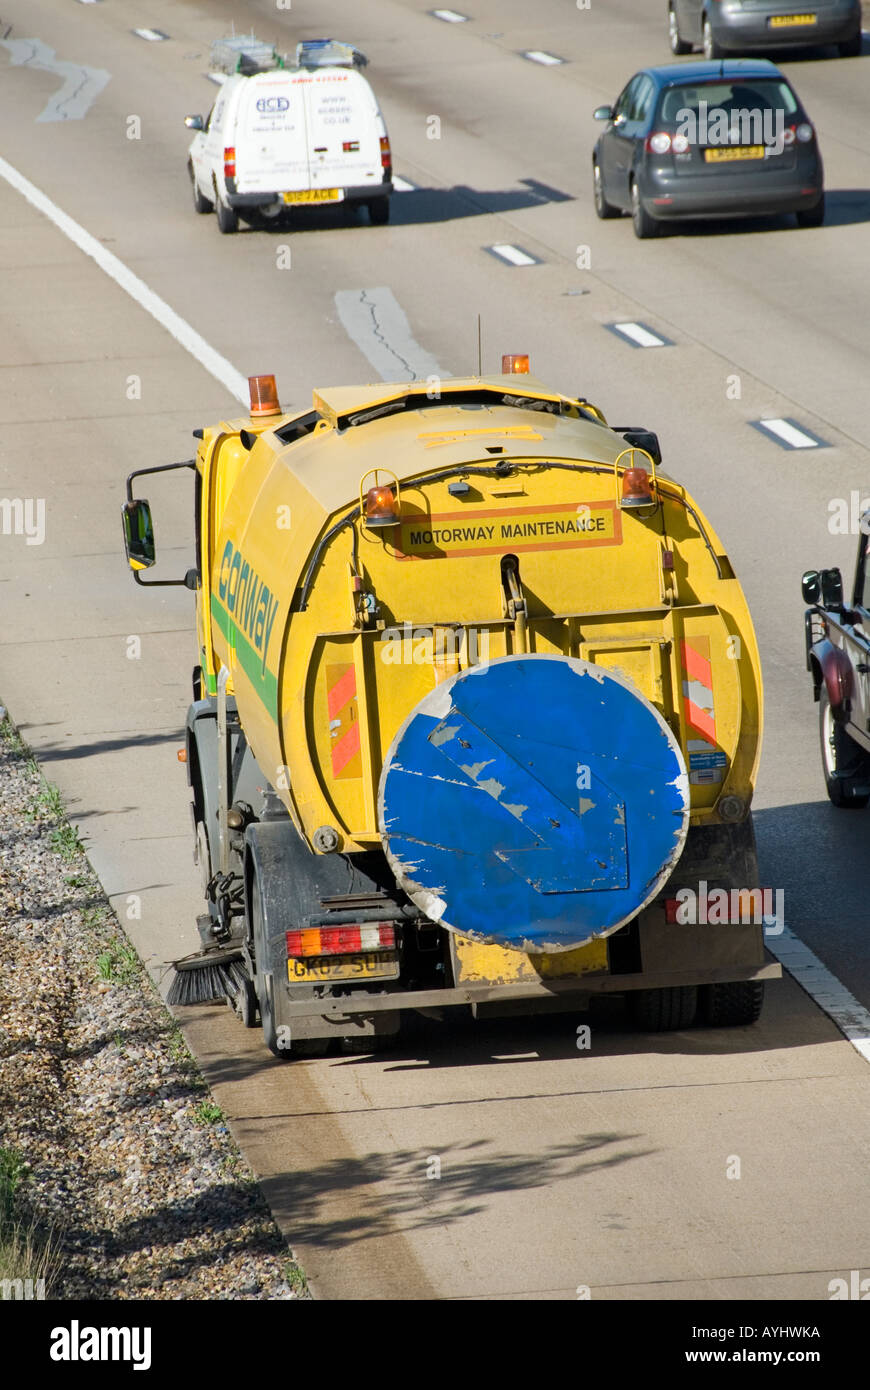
[[207, 977]]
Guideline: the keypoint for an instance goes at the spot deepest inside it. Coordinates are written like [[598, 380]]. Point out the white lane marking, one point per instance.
[[852, 1019], [222, 370], [449, 16], [81, 85], [637, 334], [403, 185], [152, 35], [376, 322], [536, 55], [218, 77], [512, 254], [788, 433]]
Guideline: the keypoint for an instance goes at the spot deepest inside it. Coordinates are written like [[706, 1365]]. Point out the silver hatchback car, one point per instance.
[[722, 28]]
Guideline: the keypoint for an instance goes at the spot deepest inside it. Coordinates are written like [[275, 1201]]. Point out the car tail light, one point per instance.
[[350, 146], [680, 144], [341, 941], [659, 143], [386, 157], [229, 161]]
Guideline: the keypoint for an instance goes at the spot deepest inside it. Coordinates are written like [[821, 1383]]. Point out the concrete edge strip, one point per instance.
[[219, 367], [823, 987]]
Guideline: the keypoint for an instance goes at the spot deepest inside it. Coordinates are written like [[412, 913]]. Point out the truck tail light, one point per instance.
[[341, 941], [386, 157], [229, 161]]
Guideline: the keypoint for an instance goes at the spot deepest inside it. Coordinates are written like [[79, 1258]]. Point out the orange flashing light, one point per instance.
[[515, 364], [264, 396], [381, 509], [636, 489]]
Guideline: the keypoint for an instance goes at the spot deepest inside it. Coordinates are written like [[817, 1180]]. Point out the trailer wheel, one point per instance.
[[732, 1005], [663, 1010], [843, 762]]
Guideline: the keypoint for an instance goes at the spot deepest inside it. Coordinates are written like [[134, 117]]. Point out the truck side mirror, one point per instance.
[[811, 586], [138, 535], [603, 113], [646, 440], [832, 588], [194, 122]]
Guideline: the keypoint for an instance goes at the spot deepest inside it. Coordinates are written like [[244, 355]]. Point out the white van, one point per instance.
[[307, 134]]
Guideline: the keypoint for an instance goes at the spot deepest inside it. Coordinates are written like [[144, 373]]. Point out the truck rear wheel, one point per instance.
[[663, 1010], [732, 1005], [379, 211], [261, 985], [843, 762], [227, 217]]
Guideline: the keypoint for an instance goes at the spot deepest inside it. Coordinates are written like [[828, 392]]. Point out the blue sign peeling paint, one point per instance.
[[535, 801]]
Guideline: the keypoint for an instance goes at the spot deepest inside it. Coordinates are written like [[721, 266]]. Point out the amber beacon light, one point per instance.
[[515, 364], [264, 396]]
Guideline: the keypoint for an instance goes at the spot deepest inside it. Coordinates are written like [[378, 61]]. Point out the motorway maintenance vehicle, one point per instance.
[[476, 716], [838, 658]]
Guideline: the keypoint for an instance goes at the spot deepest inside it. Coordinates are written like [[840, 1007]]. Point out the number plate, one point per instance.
[[314, 195], [719, 156], [785, 21], [369, 965]]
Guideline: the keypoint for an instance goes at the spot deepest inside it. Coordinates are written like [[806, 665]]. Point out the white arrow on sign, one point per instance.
[[81, 85]]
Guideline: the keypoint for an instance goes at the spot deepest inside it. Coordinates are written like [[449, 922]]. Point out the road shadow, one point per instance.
[[844, 207], [415, 207]]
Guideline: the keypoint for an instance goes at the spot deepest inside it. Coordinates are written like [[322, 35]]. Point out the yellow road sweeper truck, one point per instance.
[[476, 716]]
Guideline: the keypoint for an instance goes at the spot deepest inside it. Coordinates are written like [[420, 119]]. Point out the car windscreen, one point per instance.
[[742, 100]]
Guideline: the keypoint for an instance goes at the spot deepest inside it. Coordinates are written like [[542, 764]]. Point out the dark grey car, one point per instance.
[[723, 139], [720, 27]]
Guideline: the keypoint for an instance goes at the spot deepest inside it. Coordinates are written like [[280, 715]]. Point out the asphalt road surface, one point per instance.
[[499, 1161]]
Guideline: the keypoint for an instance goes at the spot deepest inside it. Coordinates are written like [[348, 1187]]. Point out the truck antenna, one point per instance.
[[479, 353]]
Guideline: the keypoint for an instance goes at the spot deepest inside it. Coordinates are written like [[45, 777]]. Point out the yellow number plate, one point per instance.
[[314, 195], [734, 152], [783, 21], [369, 965]]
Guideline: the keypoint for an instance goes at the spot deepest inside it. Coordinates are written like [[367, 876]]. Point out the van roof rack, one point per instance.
[[245, 54], [332, 53]]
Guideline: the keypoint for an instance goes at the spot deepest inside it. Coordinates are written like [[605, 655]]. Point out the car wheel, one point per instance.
[[200, 203], [851, 48], [677, 44], [644, 225], [227, 217], [379, 211], [843, 762], [602, 207], [712, 49], [812, 217]]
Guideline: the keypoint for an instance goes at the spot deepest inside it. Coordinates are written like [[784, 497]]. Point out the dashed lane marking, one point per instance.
[[639, 335], [513, 255], [788, 434]]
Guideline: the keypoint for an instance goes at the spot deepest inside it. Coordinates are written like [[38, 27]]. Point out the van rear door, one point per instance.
[[272, 144], [344, 130]]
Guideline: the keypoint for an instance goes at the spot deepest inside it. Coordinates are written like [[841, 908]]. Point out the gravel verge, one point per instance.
[[131, 1185]]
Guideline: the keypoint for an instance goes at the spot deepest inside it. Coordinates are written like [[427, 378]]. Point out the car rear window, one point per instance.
[[742, 94]]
